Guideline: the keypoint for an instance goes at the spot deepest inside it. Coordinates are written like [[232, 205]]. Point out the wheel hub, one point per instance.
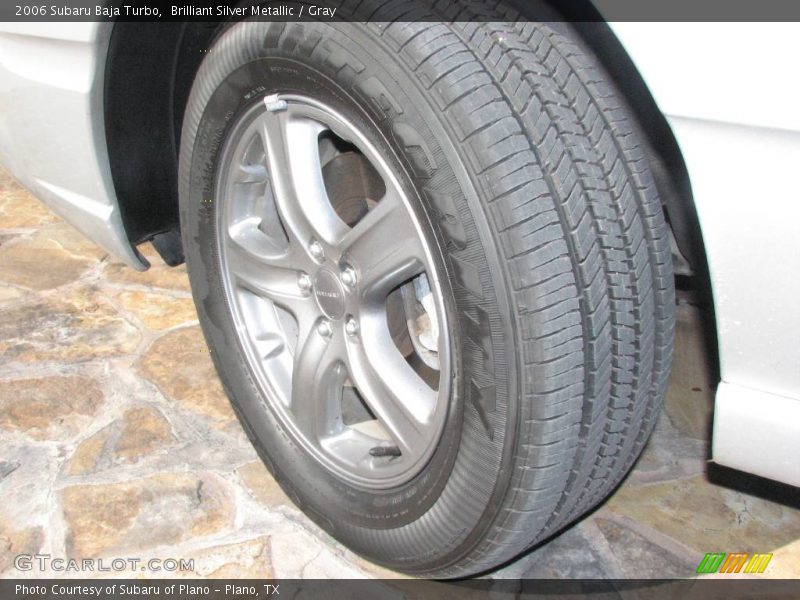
[[330, 294]]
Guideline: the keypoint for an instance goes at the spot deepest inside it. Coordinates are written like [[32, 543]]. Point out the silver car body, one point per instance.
[[731, 105], [52, 131]]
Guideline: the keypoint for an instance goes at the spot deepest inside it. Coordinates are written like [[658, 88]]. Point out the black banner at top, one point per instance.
[[28, 11]]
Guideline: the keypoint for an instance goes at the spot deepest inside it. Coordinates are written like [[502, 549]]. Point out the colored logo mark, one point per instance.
[[735, 562]]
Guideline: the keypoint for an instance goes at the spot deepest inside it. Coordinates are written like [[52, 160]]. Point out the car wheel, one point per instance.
[[434, 276]]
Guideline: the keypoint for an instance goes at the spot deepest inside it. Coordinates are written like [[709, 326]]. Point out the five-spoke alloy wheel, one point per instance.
[[310, 277]]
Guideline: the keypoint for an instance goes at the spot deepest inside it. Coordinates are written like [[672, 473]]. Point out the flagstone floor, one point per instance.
[[116, 440]]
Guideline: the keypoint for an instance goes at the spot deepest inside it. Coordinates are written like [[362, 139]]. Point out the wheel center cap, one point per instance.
[[329, 294]]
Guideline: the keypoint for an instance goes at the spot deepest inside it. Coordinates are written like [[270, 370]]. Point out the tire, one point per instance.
[[528, 179]]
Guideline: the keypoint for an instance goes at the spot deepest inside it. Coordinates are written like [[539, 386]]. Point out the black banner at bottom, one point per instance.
[[344, 589]]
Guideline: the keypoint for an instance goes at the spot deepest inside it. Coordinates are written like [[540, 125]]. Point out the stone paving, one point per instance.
[[117, 441]]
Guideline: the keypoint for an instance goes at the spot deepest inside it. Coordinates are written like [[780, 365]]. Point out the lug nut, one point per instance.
[[324, 329], [316, 250], [304, 282], [351, 326], [348, 276]]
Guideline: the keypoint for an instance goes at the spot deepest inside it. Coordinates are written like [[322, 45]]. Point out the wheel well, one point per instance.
[[149, 73]]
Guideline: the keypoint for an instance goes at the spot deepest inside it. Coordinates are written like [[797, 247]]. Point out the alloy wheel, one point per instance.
[[333, 289]]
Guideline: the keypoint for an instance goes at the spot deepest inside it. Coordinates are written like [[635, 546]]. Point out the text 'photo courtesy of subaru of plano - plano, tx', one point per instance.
[[435, 262]]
